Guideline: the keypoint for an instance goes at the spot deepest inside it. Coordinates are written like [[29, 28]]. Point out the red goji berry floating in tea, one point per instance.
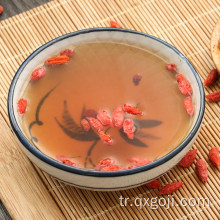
[[170, 188], [105, 137], [104, 118], [66, 160], [105, 162], [38, 74], [68, 53], [1, 9], [128, 167], [136, 79], [211, 78], [70, 163], [57, 60], [118, 117], [128, 128], [155, 184], [85, 124], [214, 156], [114, 24], [131, 110], [22, 105], [214, 97], [188, 105], [137, 161], [201, 170], [111, 168], [183, 84], [171, 67], [188, 158], [95, 123]]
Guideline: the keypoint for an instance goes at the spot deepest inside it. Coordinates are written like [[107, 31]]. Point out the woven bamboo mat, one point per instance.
[[27, 192]]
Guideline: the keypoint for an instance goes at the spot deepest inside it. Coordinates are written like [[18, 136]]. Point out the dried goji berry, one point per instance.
[[170, 188], [66, 160], [211, 78], [38, 74], [214, 156], [111, 168], [118, 117], [90, 113], [95, 123], [70, 163], [215, 96], [171, 67], [105, 162], [128, 128], [1, 9], [128, 167], [105, 137], [188, 105], [201, 170], [85, 124], [104, 118], [188, 158], [131, 110], [183, 84], [22, 105], [136, 79], [67, 52], [114, 24], [57, 60], [137, 161], [155, 184]]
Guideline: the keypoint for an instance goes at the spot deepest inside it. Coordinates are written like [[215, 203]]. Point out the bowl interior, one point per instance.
[[153, 45]]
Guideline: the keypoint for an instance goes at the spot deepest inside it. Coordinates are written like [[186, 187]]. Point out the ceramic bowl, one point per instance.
[[106, 180]]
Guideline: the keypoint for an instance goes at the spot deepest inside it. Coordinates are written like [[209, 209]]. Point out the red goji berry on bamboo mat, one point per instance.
[[188, 105], [129, 128], [1, 9], [115, 24], [155, 184], [136, 79], [214, 156], [104, 118], [118, 117], [67, 52], [105, 137], [170, 188], [211, 78], [85, 124], [171, 67], [95, 123], [131, 110], [215, 96], [38, 74], [184, 85], [201, 170], [188, 158], [22, 105], [57, 60]]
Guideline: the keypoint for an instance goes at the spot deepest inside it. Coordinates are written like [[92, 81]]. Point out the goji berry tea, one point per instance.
[[106, 106]]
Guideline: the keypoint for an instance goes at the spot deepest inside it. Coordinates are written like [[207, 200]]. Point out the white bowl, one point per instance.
[[106, 180]]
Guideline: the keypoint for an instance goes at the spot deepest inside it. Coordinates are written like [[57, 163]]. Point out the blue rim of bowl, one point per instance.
[[37, 153]]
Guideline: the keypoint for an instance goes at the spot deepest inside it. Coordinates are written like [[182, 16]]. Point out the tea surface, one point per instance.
[[100, 76]]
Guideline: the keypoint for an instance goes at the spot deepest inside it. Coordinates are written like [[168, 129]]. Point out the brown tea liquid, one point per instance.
[[99, 76]]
